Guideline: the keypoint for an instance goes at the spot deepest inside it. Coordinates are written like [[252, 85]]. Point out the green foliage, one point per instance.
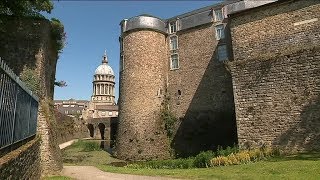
[[169, 120], [306, 166], [227, 151], [25, 7], [243, 157], [87, 146], [164, 164], [31, 79], [58, 35], [60, 83], [203, 159], [168, 117]]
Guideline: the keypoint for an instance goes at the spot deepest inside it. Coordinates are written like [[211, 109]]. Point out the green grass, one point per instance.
[[77, 155], [303, 166]]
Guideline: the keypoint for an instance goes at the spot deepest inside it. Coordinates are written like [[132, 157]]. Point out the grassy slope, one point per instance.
[[303, 166]]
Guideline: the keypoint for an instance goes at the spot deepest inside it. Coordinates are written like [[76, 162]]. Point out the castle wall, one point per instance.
[[69, 128], [141, 132], [26, 46], [205, 108], [22, 163], [276, 75]]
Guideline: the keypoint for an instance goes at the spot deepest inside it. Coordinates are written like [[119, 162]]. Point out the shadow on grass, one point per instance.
[[312, 156]]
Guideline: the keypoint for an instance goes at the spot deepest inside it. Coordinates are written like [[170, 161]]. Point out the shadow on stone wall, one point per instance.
[[304, 136], [210, 120]]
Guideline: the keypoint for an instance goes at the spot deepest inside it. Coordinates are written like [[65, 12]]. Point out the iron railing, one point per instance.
[[18, 108]]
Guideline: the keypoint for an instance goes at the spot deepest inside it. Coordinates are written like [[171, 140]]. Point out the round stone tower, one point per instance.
[[143, 64]]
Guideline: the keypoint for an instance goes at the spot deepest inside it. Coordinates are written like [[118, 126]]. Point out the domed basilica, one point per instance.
[[102, 108]]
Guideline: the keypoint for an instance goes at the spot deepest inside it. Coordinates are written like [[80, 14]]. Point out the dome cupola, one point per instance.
[[104, 68]]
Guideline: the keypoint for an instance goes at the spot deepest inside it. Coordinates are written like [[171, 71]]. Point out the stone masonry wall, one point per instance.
[[205, 108], [141, 134], [276, 75], [26, 46], [22, 163], [69, 128], [275, 29]]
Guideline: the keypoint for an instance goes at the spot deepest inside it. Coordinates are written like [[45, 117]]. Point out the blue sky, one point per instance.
[[92, 27]]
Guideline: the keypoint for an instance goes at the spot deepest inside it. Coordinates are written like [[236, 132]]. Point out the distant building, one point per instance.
[[71, 107], [102, 111]]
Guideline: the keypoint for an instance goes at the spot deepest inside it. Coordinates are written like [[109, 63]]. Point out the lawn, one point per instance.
[[302, 166]]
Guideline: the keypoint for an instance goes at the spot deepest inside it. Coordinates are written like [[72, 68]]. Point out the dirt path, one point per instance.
[[93, 173]]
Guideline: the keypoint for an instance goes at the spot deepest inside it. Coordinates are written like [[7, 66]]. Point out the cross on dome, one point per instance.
[[105, 58]]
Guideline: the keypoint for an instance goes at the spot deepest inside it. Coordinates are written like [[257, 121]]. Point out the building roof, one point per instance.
[[217, 5], [236, 13], [107, 107]]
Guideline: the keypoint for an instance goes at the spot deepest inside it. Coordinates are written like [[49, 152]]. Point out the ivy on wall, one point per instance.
[[168, 117], [31, 79], [58, 35]]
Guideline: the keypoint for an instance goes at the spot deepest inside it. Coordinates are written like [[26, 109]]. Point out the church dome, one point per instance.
[[104, 68]]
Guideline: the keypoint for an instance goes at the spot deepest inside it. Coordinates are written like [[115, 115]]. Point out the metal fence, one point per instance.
[[18, 108]]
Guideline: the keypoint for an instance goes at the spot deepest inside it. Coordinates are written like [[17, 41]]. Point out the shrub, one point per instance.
[[219, 161], [227, 151], [242, 157], [203, 159], [164, 164]]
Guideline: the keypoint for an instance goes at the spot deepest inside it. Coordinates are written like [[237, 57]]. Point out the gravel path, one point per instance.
[[93, 173]]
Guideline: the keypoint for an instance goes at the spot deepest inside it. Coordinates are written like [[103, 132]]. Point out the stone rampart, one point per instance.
[[22, 163], [276, 75], [27, 47]]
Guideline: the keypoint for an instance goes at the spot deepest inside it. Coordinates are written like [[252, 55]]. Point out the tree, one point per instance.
[[25, 7]]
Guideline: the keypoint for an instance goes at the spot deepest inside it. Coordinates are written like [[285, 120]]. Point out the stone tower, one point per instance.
[[141, 132]]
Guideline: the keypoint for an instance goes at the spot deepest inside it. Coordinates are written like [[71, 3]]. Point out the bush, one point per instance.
[[203, 159], [227, 151], [242, 157], [164, 164]]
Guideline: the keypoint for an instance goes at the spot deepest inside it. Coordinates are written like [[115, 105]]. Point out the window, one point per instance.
[[121, 62], [220, 32], [110, 113], [103, 113], [174, 61], [222, 53], [172, 27], [65, 105], [66, 112], [218, 16], [173, 43], [117, 113], [72, 105]]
